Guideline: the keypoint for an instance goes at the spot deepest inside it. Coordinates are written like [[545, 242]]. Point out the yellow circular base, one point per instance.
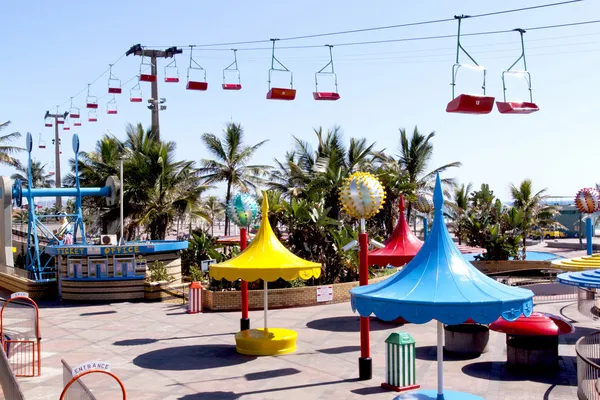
[[270, 342]]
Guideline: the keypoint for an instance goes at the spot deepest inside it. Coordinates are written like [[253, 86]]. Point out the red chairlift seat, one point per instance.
[[91, 101], [171, 72], [92, 116], [66, 128], [281, 94], [92, 119], [111, 112], [74, 115], [147, 78], [471, 104], [114, 83], [231, 86], [60, 121], [194, 66], [332, 96], [135, 94], [52, 172], [115, 90], [77, 123], [196, 85], [111, 106], [516, 107], [327, 96], [42, 145], [48, 124]]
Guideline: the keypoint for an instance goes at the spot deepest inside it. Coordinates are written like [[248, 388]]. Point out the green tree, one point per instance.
[[535, 211], [415, 154], [459, 208], [214, 210], [39, 177], [231, 162], [6, 149]]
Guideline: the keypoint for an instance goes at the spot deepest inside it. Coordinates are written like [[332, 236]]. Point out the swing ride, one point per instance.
[[171, 72], [114, 83], [332, 96]]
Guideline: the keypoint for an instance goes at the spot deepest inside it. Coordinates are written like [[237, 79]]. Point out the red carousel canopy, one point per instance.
[[400, 248], [537, 324]]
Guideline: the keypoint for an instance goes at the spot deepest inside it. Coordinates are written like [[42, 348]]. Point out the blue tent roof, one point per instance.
[[587, 279], [440, 284]]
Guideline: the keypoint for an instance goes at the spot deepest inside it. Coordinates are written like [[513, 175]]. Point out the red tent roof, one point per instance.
[[537, 324], [400, 248]]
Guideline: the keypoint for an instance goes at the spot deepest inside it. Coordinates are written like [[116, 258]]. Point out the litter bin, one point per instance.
[[400, 371], [195, 298]]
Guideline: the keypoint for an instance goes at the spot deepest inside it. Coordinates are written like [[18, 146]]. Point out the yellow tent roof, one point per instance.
[[578, 263], [265, 258]]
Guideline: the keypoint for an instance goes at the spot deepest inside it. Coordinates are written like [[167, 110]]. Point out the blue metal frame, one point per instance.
[[34, 222]]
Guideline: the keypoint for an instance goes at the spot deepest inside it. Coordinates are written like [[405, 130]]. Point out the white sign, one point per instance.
[[19, 294], [324, 293], [92, 365], [93, 250]]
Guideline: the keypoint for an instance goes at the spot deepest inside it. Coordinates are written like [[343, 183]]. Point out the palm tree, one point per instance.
[[231, 162], [39, 177], [532, 205], [415, 154], [214, 210], [459, 208], [6, 150]]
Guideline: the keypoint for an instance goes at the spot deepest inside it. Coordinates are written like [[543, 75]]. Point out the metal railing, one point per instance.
[[44, 276], [78, 390], [588, 370], [545, 287], [8, 381], [586, 303]]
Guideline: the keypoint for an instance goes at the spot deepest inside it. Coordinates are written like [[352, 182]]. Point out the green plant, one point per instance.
[[196, 274], [158, 272]]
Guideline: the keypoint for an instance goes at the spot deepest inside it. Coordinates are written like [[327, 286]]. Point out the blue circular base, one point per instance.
[[432, 395]]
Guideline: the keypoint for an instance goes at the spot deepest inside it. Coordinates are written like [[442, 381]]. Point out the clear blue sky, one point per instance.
[[53, 49]]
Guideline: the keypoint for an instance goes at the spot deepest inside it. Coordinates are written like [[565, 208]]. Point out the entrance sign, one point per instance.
[[19, 294], [91, 365]]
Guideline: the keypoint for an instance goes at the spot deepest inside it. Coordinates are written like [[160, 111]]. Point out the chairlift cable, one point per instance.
[[435, 21]]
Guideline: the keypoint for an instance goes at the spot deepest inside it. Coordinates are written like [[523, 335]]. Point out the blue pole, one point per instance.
[[589, 233], [425, 228]]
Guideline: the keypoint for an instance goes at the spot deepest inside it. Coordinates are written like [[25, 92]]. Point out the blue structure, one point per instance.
[[34, 224], [440, 284], [585, 279]]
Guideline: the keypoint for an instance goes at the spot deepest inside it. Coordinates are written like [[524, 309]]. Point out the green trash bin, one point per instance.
[[400, 374]]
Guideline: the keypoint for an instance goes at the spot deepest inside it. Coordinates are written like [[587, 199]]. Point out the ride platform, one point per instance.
[[269, 342]]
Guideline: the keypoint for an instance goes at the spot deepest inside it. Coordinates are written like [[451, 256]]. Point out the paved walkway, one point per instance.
[[162, 353]]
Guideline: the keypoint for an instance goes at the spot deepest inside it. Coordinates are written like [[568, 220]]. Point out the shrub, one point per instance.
[[158, 272]]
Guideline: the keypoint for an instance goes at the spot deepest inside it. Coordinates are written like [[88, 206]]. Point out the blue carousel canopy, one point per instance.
[[587, 279], [440, 284]]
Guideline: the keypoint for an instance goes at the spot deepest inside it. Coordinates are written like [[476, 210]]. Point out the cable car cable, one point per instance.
[[388, 26]]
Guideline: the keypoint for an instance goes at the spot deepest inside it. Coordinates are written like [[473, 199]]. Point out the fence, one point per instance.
[[20, 335], [78, 390], [545, 287], [44, 276], [8, 381], [588, 370]]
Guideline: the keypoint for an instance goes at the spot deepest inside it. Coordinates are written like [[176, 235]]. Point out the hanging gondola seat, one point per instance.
[[115, 90], [147, 78], [281, 94], [172, 79], [471, 104], [195, 85], [516, 107], [231, 86], [331, 96]]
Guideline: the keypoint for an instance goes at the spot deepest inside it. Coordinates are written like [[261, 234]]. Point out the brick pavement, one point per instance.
[[162, 353]]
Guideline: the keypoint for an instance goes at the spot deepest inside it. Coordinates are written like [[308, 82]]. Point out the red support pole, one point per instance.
[[365, 366], [244, 321]]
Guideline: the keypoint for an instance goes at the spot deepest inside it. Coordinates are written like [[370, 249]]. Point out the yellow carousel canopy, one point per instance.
[[578, 263], [265, 258]]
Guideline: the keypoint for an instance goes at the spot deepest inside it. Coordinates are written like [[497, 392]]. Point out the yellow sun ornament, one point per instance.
[[362, 195]]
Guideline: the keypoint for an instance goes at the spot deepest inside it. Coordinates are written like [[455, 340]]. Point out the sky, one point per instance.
[[52, 50]]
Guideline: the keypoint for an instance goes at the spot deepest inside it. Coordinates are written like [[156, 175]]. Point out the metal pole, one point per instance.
[[122, 239], [57, 161], [589, 234], [155, 104], [266, 301], [365, 363], [244, 321], [440, 359]]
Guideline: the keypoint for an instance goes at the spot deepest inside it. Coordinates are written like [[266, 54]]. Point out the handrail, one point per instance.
[[588, 370]]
